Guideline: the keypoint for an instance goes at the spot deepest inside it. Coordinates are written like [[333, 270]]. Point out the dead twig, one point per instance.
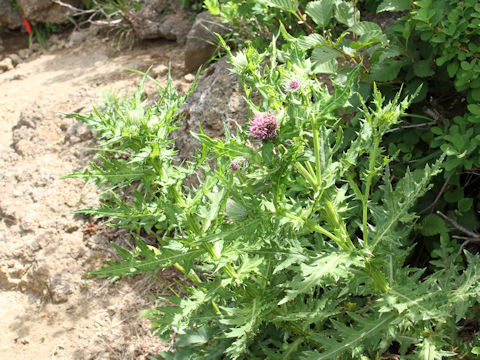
[[77, 11], [472, 237], [439, 195], [400, 127]]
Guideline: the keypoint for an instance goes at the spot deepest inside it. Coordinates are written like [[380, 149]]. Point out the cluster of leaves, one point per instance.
[[434, 45], [299, 250]]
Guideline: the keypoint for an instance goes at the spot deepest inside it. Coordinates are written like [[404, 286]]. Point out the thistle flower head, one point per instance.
[[234, 166], [293, 85], [294, 80], [263, 126]]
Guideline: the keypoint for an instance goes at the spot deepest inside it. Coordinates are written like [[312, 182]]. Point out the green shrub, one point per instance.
[[295, 246]]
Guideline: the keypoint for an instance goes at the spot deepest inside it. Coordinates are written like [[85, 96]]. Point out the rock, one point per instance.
[[217, 100], [201, 39], [78, 132], [6, 64], [59, 287], [22, 141], [1, 45], [46, 11], [24, 53], [28, 119], [156, 20], [189, 77], [15, 59], [77, 37], [8, 16], [159, 70]]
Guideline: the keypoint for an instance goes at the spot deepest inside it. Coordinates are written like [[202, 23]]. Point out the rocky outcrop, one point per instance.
[[217, 100], [8, 16], [46, 11], [161, 19], [201, 40]]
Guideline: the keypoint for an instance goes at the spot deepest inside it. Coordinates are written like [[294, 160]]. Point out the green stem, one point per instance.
[[307, 175], [313, 226], [366, 195], [379, 281], [316, 150], [191, 275]]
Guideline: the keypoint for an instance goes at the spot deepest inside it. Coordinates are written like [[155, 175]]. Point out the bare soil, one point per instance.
[[47, 311]]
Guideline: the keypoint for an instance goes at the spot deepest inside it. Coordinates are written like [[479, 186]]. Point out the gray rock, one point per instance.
[[46, 11], [24, 53], [201, 40], [59, 287], [217, 100], [8, 16], [6, 64], [78, 132], [161, 19], [15, 59]]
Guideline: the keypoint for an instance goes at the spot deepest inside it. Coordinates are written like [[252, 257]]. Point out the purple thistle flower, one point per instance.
[[293, 85], [263, 126], [234, 166]]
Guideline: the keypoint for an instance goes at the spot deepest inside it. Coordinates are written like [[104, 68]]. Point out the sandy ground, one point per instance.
[[46, 310]]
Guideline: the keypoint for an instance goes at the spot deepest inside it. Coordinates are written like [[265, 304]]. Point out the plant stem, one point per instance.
[[308, 176], [316, 150], [366, 195]]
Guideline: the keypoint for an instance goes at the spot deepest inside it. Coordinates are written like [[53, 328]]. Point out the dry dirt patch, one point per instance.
[[46, 310]]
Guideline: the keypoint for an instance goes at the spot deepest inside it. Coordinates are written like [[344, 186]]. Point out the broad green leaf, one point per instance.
[[385, 71], [465, 204], [344, 13], [452, 68], [329, 67], [476, 94], [394, 5], [320, 11], [324, 54], [433, 225], [288, 5], [364, 27], [309, 41], [423, 69], [474, 109]]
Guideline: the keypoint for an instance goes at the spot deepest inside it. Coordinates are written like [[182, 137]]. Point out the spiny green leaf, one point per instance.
[[333, 349], [334, 266]]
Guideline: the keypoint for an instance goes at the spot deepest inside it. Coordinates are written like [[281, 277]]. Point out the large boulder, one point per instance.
[[202, 41], [46, 11], [161, 19], [218, 100], [8, 16]]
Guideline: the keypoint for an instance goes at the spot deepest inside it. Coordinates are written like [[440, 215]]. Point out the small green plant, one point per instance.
[[295, 233], [117, 15]]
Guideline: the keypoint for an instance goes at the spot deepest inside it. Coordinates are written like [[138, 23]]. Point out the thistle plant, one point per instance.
[[295, 248]]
